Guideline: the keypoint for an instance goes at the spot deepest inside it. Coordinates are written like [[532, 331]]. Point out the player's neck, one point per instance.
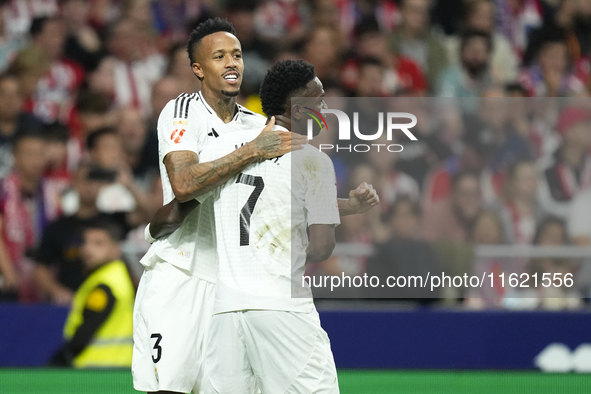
[[283, 120], [224, 106], [279, 122]]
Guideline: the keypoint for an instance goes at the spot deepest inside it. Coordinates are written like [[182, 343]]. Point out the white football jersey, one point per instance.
[[188, 123], [262, 216]]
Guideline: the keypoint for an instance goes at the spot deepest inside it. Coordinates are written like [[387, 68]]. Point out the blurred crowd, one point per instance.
[[82, 84]]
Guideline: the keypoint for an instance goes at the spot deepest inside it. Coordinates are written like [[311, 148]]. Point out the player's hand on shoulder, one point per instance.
[[363, 198], [273, 143]]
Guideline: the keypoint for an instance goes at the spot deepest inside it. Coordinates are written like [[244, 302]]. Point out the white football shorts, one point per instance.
[[171, 321], [274, 351]]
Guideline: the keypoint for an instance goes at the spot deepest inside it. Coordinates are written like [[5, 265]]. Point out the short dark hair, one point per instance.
[[8, 75], [93, 102], [367, 25], [234, 6], [108, 225], [284, 79], [38, 24], [56, 132], [403, 199], [515, 87], [370, 61], [468, 35], [27, 134], [95, 135], [547, 222], [210, 26]]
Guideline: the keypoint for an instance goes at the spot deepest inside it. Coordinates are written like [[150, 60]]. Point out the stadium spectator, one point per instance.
[[520, 212], [20, 14], [419, 157], [166, 89], [57, 176], [475, 155], [29, 66], [452, 219], [323, 48], [473, 75], [139, 12], [102, 78], [59, 270], [98, 329], [494, 124], [93, 111], [570, 172], [134, 68], [179, 70], [402, 74], [241, 13], [141, 157], [392, 183], [123, 193], [567, 20], [140, 148], [550, 232], [53, 97], [173, 19], [83, 45], [488, 230], [516, 19], [9, 43], [579, 219], [403, 254], [23, 212], [480, 16], [282, 23], [520, 114], [370, 78], [414, 39], [550, 73], [13, 120]]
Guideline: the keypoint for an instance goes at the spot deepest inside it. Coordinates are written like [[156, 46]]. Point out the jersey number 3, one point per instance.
[[157, 347], [248, 208]]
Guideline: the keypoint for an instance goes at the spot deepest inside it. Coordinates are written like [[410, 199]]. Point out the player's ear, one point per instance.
[[296, 111], [197, 70]]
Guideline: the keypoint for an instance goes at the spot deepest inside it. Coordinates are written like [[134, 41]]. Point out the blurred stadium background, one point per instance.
[[503, 181]]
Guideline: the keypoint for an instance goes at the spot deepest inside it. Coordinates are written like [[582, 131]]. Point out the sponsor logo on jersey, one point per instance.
[[177, 135], [180, 122], [186, 254]]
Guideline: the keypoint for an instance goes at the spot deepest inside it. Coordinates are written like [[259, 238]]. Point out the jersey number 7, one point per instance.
[[248, 208]]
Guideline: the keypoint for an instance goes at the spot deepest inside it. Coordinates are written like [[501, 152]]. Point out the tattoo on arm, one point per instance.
[[190, 179]]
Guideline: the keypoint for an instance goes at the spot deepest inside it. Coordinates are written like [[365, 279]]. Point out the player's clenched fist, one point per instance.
[[272, 143], [363, 198]]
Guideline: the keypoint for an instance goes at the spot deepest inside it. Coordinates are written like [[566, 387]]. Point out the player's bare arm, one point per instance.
[[360, 200], [170, 217], [189, 178], [322, 243]]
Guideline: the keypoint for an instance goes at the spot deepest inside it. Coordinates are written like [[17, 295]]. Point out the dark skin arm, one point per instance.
[[189, 178], [322, 243], [170, 217]]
